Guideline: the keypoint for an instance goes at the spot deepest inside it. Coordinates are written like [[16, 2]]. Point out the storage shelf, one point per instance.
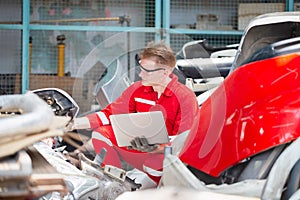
[[204, 32]]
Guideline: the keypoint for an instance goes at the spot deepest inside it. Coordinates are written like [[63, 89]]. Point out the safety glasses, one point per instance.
[[138, 62], [150, 70]]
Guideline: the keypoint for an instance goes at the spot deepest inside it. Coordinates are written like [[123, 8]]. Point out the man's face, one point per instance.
[[152, 74]]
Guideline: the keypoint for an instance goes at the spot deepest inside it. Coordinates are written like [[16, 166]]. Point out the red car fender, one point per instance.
[[256, 108]]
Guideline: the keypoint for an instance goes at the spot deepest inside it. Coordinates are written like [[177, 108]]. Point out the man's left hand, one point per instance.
[[142, 144]]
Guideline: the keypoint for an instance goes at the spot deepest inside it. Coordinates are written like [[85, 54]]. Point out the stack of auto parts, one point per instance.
[[24, 120], [30, 167]]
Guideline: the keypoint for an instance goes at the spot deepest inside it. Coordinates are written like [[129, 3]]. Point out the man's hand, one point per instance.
[[70, 126], [141, 144], [78, 123]]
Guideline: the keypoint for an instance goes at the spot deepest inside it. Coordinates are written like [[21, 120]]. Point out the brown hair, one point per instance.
[[162, 52]]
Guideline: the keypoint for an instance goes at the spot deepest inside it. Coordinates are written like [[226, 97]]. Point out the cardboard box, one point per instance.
[[37, 81], [247, 11], [206, 22]]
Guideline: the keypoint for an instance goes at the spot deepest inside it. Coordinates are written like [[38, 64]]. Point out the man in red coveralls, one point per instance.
[[158, 90]]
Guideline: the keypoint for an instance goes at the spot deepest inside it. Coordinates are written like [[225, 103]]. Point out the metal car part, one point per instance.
[[36, 116], [175, 173], [17, 166], [15, 172], [295, 196], [107, 92], [88, 183], [272, 96], [286, 161], [203, 85], [115, 172], [205, 67], [60, 101], [201, 49], [263, 31], [179, 193]]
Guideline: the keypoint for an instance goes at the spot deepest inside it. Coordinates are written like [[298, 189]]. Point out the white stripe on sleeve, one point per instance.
[[103, 118]]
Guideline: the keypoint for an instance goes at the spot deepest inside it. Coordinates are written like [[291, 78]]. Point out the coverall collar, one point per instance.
[[169, 88]]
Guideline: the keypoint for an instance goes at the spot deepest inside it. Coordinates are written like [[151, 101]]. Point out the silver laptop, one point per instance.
[[149, 124]]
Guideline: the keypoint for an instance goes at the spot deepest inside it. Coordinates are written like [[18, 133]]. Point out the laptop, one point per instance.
[[149, 124]]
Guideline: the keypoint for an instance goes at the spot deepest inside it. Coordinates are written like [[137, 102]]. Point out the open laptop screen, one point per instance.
[[149, 124]]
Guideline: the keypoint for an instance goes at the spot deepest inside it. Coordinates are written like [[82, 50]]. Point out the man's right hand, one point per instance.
[[70, 126], [78, 123]]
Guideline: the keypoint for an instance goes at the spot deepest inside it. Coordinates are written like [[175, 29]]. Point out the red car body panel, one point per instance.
[[256, 108]]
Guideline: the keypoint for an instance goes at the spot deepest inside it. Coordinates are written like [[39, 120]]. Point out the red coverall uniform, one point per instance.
[[178, 105]]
